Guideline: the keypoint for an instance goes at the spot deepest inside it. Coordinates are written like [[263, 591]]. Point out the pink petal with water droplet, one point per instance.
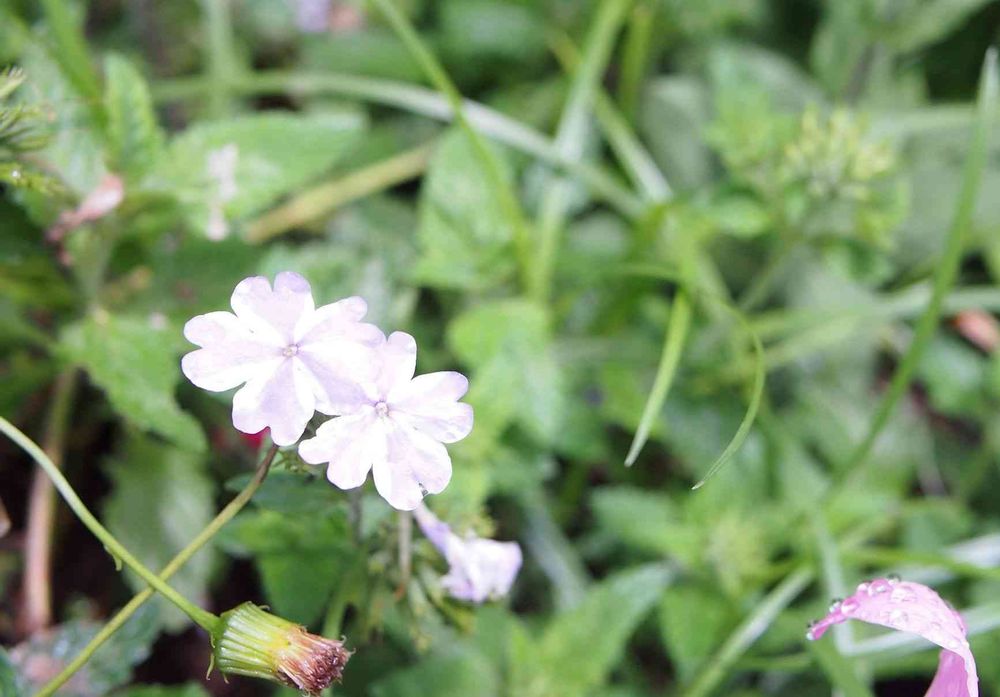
[[915, 608]]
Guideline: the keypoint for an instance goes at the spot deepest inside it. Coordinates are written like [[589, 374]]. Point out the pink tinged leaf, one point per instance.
[[273, 314], [230, 355], [282, 401], [915, 608], [349, 445], [105, 197], [398, 362]]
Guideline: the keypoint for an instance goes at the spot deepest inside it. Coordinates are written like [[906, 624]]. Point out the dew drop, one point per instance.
[[862, 587], [893, 579], [849, 607], [835, 604], [878, 586]]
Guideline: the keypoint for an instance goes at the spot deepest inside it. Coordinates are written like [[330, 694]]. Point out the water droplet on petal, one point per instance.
[[893, 579], [849, 606], [862, 587], [835, 604], [878, 586]]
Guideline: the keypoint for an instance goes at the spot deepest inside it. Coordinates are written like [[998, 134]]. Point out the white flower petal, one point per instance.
[[283, 402], [444, 386], [398, 361], [414, 463], [482, 569], [230, 355], [339, 371], [349, 445], [273, 313], [332, 318], [446, 422]]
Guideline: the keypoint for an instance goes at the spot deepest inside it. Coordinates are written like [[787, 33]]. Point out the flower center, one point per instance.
[[290, 350], [382, 409]]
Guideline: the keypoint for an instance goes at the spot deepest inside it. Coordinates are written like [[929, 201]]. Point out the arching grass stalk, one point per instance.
[[439, 78], [175, 564], [201, 617], [989, 92]]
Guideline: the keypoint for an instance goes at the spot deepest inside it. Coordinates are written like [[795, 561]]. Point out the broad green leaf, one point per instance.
[[291, 493], [693, 621], [464, 238], [187, 690], [928, 21], [134, 136], [298, 556], [41, 657], [580, 647], [461, 673], [74, 148], [161, 499], [647, 521], [137, 366], [673, 116], [10, 686], [508, 345], [269, 155]]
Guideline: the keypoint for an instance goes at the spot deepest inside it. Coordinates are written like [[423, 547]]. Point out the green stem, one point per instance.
[[175, 564], [417, 100], [748, 632], [571, 137], [763, 282], [947, 268], [635, 56], [203, 618], [319, 200], [37, 577], [677, 329], [221, 60], [439, 78]]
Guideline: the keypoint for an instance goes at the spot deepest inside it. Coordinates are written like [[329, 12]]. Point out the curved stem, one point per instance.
[[203, 618], [423, 101], [36, 580], [113, 625]]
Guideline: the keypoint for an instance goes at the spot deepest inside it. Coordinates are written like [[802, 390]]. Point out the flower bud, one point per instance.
[[251, 641]]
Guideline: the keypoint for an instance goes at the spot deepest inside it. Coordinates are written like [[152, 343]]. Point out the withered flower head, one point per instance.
[[251, 641]]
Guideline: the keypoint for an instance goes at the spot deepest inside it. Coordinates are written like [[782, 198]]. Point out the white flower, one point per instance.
[[396, 428], [480, 568], [294, 358]]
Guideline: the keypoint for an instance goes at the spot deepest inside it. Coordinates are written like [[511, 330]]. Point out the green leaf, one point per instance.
[[9, 684], [41, 657], [673, 116], [298, 556], [274, 153], [515, 373], [462, 673], [134, 136], [464, 238], [693, 622], [161, 499], [137, 366], [930, 21], [647, 521], [187, 690], [580, 647]]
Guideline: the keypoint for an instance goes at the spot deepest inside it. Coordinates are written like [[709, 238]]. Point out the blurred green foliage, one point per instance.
[[795, 164]]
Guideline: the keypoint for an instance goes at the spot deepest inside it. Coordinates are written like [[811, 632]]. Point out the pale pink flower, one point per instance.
[[915, 608], [105, 197], [295, 358], [395, 427], [479, 568]]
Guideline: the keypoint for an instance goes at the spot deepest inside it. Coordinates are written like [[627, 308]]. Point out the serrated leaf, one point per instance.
[[515, 374], [161, 499], [298, 556], [580, 647], [135, 137], [273, 154], [138, 368], [464, 237], [41, 657]]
